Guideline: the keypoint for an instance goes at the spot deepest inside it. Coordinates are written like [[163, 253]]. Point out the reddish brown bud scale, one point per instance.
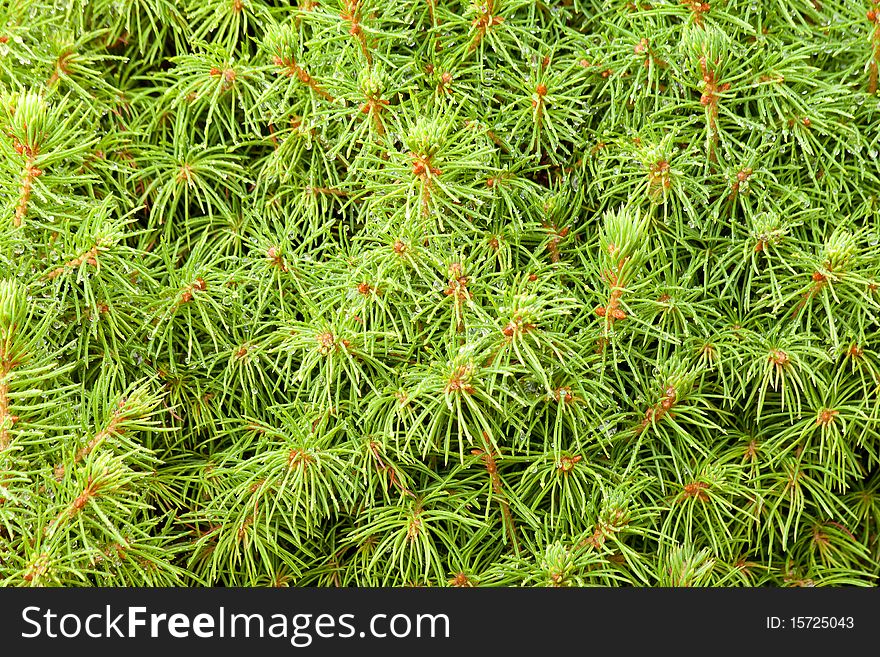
[[778, 357], [696, 490], [567, 463], [826, 417], [461, 580], [326, 341], [670, 399]]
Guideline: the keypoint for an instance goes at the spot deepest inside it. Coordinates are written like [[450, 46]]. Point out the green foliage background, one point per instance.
[[429, 292]]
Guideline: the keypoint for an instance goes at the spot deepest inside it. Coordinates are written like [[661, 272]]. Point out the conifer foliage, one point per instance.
[[439, 292]]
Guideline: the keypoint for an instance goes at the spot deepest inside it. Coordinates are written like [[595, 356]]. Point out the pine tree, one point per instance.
[[439, 292]]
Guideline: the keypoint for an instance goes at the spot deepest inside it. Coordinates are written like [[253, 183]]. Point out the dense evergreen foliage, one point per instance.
[[439, 292]]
